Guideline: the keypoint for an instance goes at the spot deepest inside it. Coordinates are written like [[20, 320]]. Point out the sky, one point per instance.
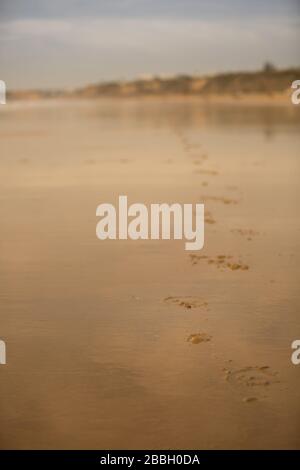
[[71, 43]]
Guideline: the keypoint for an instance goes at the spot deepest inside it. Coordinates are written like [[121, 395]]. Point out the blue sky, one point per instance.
[[68, 43]]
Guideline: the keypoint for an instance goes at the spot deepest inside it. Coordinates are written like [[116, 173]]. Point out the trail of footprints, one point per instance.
[[251, 381]]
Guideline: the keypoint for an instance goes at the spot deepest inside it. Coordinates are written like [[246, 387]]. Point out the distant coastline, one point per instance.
[[269, 85]]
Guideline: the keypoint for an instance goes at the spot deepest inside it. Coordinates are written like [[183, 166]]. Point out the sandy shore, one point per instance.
[[140, 344], [237, 99]]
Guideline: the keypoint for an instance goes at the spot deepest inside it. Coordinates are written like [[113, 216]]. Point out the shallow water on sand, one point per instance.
[[141, 344]]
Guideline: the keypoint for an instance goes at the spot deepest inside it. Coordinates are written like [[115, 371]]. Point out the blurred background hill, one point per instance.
[[268, 81]]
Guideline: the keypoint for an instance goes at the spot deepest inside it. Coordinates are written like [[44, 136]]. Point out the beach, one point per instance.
[[140, 344]]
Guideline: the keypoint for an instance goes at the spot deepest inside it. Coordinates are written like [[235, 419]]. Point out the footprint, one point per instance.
[[258, 379], [237, 266], [198, 338], [249, 233], [208, 218], [224, 200], [187, 302], [195, 259], [249, 399], [257, 376], [221, 261]]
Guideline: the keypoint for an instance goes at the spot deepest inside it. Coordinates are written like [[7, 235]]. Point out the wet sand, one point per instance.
[[141, 344]]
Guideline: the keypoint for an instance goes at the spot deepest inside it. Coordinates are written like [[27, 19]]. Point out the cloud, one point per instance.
[[114, 47], [120, 32]]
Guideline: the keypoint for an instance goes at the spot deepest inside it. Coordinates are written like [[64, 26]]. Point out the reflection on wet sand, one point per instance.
[[126, 344]]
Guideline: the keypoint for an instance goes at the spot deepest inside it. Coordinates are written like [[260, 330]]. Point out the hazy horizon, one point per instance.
[[70, 44]]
